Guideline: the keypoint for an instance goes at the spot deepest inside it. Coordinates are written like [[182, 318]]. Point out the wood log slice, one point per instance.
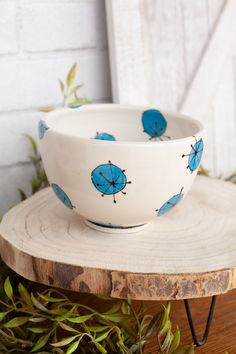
[[188, 253]]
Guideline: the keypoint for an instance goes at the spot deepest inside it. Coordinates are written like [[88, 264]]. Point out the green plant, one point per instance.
[[70, 98], [49, 321], [39, 180], [202, 171], [69, 91]]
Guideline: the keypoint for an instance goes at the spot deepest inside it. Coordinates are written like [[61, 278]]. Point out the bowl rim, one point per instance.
[[95, 106]]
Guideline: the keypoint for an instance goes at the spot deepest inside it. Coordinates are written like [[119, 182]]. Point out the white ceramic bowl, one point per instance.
[[122, 184]]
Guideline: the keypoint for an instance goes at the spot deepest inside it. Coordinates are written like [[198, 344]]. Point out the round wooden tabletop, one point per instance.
[[191, 252]]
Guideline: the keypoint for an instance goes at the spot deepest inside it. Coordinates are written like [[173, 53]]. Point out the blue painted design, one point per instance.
[[173, 201], [195, 155], [75, 106], [105, 136], [62, 196], [154, 123], [42, 128], [109, 179]]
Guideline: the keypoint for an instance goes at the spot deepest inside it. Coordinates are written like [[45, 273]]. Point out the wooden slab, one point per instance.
[[189, 253]]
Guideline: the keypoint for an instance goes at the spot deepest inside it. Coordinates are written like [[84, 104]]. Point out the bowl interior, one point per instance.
[[114, 122]]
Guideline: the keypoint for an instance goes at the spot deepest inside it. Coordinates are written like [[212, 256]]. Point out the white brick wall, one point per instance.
[[33, 82], [77, 20], [39, 42], [8, 31]]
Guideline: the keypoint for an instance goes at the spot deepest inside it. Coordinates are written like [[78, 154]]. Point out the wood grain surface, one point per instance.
[[189, 253]]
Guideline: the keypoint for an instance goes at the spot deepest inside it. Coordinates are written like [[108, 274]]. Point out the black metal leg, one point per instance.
[[208, 324]]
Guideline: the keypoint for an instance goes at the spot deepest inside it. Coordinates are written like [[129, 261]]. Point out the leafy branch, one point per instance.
[[39, 180], [49, 321], [69, 90]]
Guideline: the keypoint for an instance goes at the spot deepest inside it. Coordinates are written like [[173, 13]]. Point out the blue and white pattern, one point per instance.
[[75, 106], [195, 155], [105, 136], [109, 179], [154, 123], [62, 196], [42, 128], [171, 203]]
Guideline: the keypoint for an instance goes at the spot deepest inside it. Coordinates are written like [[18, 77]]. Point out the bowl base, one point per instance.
[[112, 229]]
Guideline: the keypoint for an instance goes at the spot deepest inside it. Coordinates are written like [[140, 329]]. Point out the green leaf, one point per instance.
[[8, 288], [100, 348], [105, 297], [56, 351], [38, 304], [103, 335], [114, 317], [128, 328], [80, 319], [35, 183], [16, 322], [34, 159], [2, 315], [175, 342], [33, 143], [75, 89], [51, 299], [37, 329], [153, 325], [165, 329], [145, 322], [97, 329], [66, 315], [113, 309], [67, 328], [43, 175], [167, 340], [62, 86], [37, 319], [166, 313], [24, 294], [23, 195], [72, 348], [125, 308], [78, 100], [71, 75], [203, 171], [41, 342], [65, 341]]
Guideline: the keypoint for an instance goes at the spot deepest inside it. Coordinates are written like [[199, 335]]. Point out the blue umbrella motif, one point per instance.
[[154, 124], [173, 201], [42, 128], [195, 155], [105, 136], [73, 106], [109, 179], [62, 196]]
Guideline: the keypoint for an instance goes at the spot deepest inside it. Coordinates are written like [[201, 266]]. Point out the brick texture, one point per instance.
[[8, 23], [11, 178], [48, 27], [13, 142], [33, 83], [39, 42]]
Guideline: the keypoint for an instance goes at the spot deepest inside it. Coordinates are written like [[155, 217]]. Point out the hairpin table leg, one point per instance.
[[208, 324]]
